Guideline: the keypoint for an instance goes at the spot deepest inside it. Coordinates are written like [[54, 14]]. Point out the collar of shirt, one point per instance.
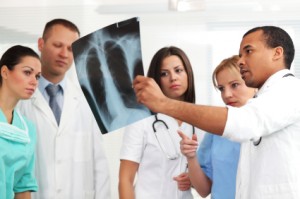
[[272, 79], [43, 83]]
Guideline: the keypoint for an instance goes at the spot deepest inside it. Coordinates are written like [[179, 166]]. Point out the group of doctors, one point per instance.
[[159, 154]]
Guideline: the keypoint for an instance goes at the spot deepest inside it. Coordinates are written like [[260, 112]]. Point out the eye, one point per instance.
[[179, 70], [37, 77], [221, 88], [234, 85], [70, 49], [164, 74], [57, 45], [27, 72], [248, 51]]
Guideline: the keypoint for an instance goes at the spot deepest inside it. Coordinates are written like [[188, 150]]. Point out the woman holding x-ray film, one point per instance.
[[151, 163]]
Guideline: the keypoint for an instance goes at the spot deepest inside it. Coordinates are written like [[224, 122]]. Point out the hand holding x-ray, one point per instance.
[[148, 93]]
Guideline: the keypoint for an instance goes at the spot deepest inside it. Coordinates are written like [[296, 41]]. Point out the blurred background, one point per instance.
[[207, 30]]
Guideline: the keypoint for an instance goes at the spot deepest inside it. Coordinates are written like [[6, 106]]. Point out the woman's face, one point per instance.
[[22, 80], [173, 78], [233, 89]]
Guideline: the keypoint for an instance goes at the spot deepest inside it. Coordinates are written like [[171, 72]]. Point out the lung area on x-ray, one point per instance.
[[106, 63]]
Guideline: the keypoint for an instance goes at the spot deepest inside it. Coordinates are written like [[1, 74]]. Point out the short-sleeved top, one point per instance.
[[219, 158], [17, 159], [155, 173]]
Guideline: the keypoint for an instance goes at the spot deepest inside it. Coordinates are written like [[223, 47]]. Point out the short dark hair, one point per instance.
[[274, 37], [155, 66], [63, 22], [13, 56]]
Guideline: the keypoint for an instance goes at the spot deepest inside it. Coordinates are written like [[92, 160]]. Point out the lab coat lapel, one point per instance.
[[39, 102], [71, 103]]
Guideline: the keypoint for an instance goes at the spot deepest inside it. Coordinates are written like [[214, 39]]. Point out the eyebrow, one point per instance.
[[29, 67], [177, 66], [245, 48]]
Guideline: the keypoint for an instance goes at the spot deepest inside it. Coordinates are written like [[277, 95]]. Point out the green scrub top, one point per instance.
[[17, 159]]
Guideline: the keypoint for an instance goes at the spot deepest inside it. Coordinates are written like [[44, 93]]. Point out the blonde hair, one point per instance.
[[229, 63]]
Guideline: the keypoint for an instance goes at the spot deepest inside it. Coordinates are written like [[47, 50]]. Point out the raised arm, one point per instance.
[[208, 118]]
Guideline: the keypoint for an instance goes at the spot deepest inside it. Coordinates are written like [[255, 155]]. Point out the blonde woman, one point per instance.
[[218, 157]]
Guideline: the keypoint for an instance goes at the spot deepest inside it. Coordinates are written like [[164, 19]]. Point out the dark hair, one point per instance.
[[14, 55], [274, 37], [63, 22], [155, 66]]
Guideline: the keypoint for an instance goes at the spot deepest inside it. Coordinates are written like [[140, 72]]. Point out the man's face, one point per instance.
[[255, 59], [56, 51]]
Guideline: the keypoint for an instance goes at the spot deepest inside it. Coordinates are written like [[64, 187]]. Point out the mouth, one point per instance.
[[30, 90], [174, 86], [61, 63], [243, 72], [231, 103]]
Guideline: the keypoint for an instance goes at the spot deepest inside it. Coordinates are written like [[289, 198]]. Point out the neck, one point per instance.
[[7, 105], [53, 79]]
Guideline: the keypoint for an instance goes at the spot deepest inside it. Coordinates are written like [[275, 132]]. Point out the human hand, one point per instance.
[[188, 146], [183, 182], [148, 93]]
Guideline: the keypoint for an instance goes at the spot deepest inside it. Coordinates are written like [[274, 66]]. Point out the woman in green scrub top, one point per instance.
[[20, 69]]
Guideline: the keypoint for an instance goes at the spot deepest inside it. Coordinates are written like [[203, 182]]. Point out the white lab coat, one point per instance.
[[271, 169], [155, 174], [71, 163]]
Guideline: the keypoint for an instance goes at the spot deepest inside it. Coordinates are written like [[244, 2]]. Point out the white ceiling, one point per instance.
[[24, 19]]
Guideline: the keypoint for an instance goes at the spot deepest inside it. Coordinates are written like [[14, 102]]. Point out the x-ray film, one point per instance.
[[106, 62]]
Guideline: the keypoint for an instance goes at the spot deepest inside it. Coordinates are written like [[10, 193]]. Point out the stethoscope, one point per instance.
[[257, 142], [171, 155]]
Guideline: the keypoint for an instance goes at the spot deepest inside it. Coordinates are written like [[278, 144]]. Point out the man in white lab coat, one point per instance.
[[71, 163], [268, 126]]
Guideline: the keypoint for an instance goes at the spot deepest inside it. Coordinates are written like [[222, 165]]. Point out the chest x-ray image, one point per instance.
[[106, 62]]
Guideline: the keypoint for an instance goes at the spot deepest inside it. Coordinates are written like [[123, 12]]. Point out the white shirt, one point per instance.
[[271, 169], [155, 174]]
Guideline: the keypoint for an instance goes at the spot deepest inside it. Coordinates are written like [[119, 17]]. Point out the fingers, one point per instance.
[[194, 137], [182, 135], [183, 181], [188, 146]]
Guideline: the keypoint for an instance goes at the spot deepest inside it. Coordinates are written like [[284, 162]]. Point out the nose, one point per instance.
[[173, 76], [227, 93], [33, 81], [241, 62], [64, 52]]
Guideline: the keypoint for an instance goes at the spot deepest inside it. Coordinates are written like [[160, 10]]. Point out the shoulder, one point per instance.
[[30, 126]]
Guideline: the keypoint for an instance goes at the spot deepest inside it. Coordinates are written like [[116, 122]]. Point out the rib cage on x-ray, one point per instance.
[[106, 62]]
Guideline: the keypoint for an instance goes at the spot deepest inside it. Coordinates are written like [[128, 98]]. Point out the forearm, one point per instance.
[[127, 174], [199, 180], [23, 195], [126, 190], [208, 118]]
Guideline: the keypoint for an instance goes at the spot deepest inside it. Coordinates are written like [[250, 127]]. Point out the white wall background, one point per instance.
[[207, 35]]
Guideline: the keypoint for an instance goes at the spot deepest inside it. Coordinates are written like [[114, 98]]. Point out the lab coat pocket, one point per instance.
[[82, 147]]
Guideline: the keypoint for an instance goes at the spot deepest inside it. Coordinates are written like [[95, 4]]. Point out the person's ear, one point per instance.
[[4, 71], [41, 44], [278, 53]]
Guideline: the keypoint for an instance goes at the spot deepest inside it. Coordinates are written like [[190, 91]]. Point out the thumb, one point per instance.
[[182, 135]]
